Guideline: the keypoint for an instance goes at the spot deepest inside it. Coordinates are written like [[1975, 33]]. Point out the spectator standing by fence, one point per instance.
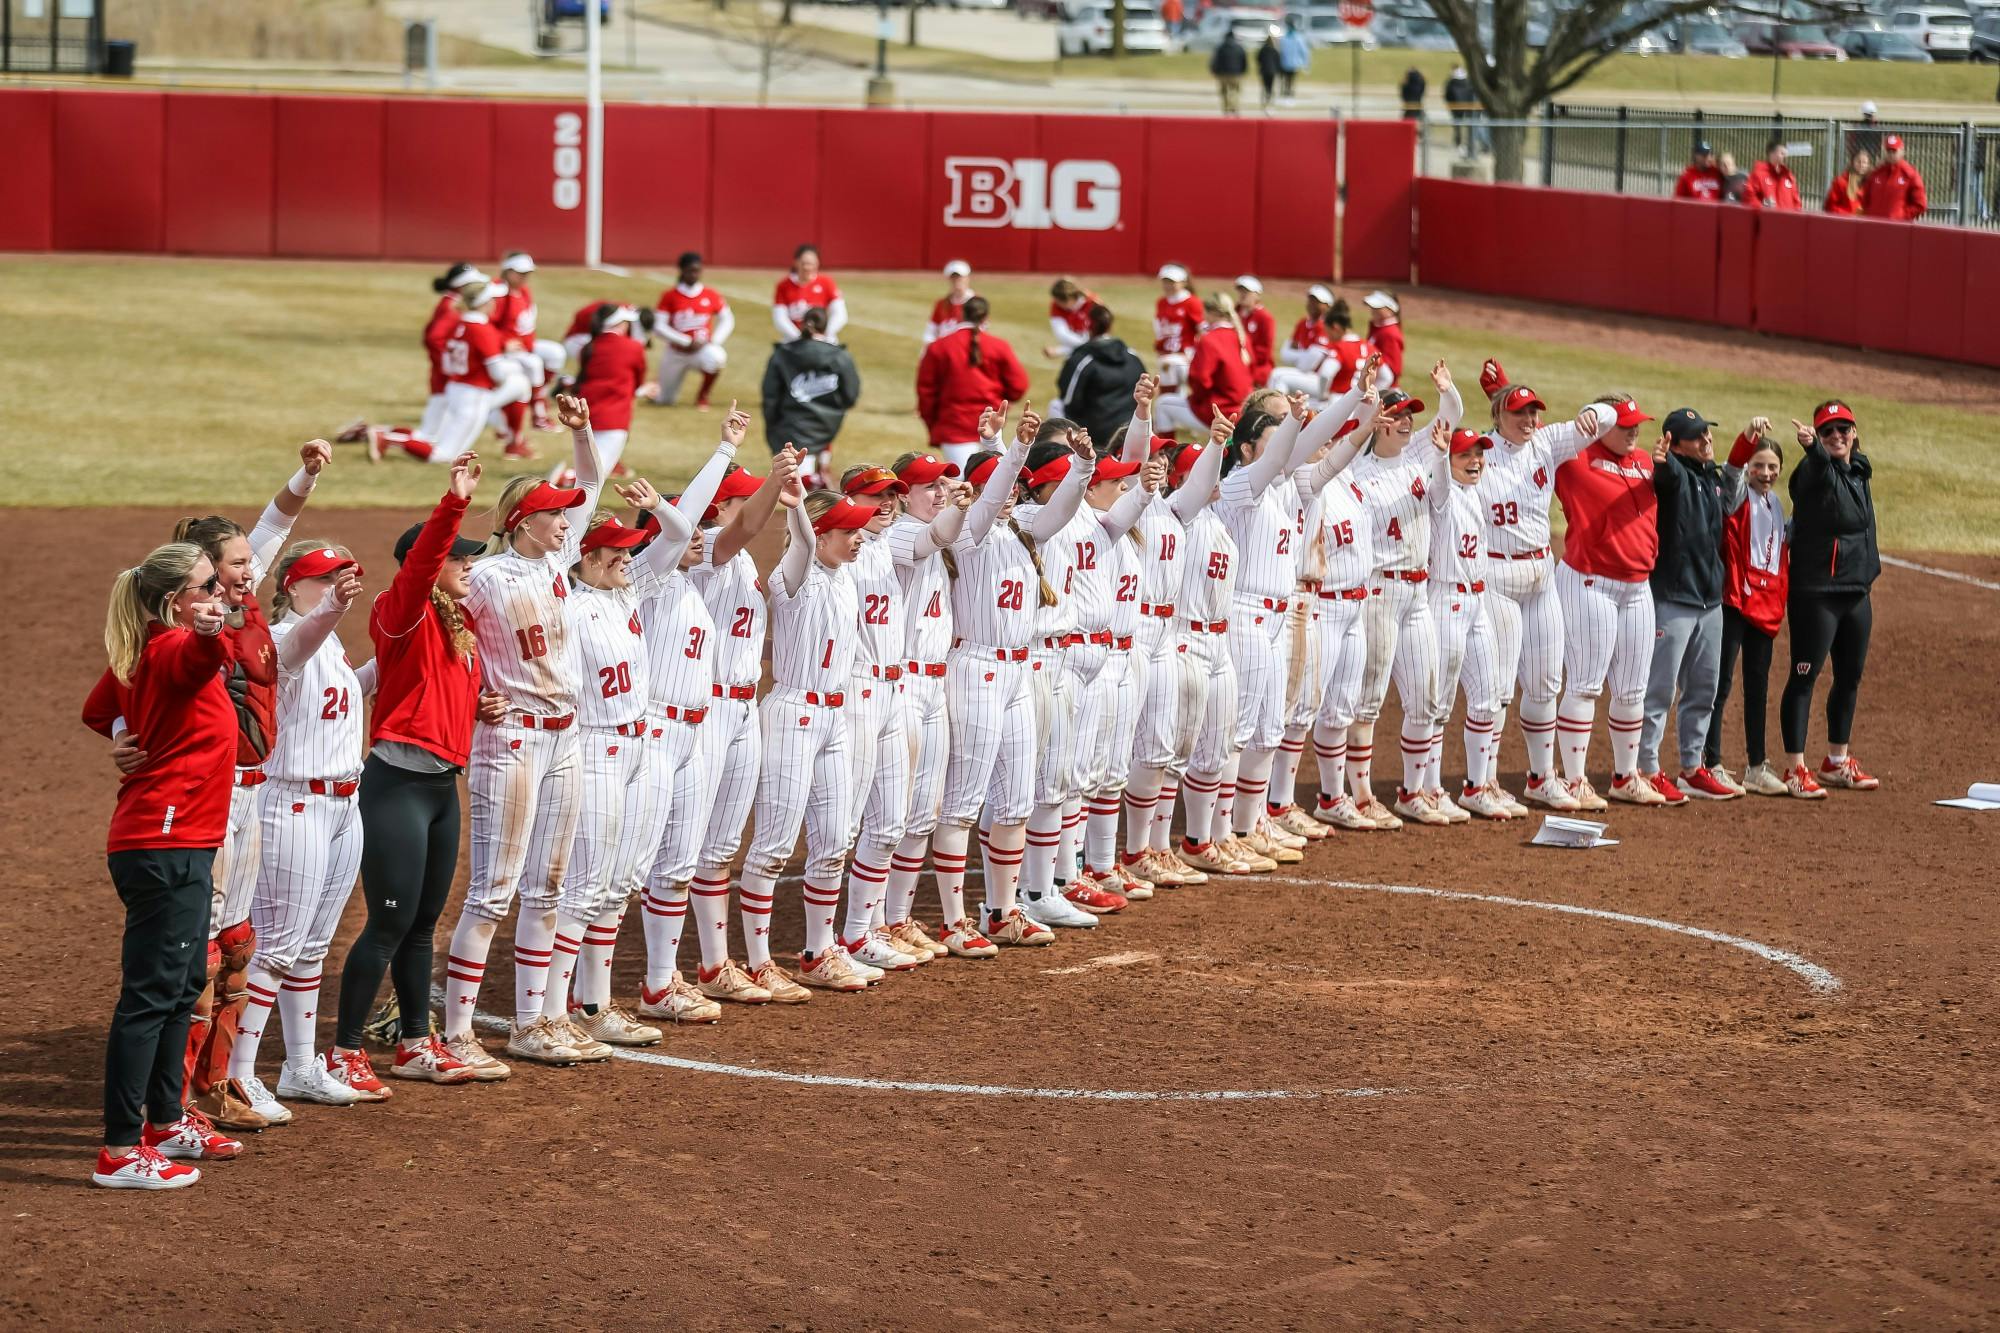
[[1228, 65], [1895, 190], [1460, 100], [1268, 63], [1702, 179], [1294, 57], [1734, 183], [1413, 93], [1843, 197], [1772, 184]]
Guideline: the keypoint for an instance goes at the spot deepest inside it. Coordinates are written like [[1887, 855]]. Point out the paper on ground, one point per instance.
[[1980, 796], [1559, 832]]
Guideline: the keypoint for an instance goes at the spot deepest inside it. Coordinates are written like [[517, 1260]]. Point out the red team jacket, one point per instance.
[[425, 694], [1704, 183], [1262, 331], [1773, 187], [1894, 191], [610, 379], [1757, 594], [179, 712], [1217, 377], [1613, 514], [1388, 340], [952, 392]]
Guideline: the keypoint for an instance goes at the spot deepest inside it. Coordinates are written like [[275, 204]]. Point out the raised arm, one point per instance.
[[1062, 506], [985, 510], [1194, 492], [574, 412], [1735, 477], [399, 610], [306, 635], [1139, 432], [677, 522], [939, 533], [1439, 492], [1567, 439], [1451, 408], [1124, 512], [790, 575], [1276, 459], [275, 523], [756, 510]]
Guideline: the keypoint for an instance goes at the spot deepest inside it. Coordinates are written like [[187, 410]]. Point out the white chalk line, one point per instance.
[[1951, 574]]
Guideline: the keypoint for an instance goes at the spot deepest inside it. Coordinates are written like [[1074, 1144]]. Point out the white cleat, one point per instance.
[[1415, 807], [1052, 909], [1442, 800], [1485, 802], [312, 1083], [262, 1102], [1550, 791], [877, 950]]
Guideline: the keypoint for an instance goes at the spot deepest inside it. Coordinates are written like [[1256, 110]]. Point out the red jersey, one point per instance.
[[579, 324], [435, 331], [252, 682], [952, 392], [1176, 323], [1703, 183], [179, 714], [1388, 340], [795, 297], [1077, 321], [513, 314], [466, 348], [947, 316], [1309, 333], [1894, 191], [1262, 332], [693, 317], [613, 367], [1613, 515], [1773, 187], [425, 693], [1217, 378], [1350, 352]]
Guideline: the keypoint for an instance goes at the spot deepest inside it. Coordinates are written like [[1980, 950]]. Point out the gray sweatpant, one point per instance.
[[1687, 654]]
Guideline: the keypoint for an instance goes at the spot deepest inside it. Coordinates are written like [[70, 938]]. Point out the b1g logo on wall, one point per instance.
[[1032, 194]]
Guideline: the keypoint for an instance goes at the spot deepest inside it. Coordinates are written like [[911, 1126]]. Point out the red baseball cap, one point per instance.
[[1832, 412], [845, 514], [616, 535], [1113, 469], [1520, 398], [1465, 441], [1629, 413], [1185, 463], [318, 564], [541, 500], [1160, 442], [926, 468], [1400, 403], [1053, 470], [1893, 143], [874, 481], [982, 470]]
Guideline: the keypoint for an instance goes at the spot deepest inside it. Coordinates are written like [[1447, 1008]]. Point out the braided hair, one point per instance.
[[975, 311]]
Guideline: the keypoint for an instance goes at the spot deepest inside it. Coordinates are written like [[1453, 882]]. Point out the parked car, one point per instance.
[[1945, 33], [1417, 34], [1086, 31], [1250, 25], [1794, 41], [1324, 27], [1867, 42], [1705, 37], [1986, 36]]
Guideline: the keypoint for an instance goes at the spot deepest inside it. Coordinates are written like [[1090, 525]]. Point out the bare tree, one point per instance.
[[774, 46], [1511, 79]]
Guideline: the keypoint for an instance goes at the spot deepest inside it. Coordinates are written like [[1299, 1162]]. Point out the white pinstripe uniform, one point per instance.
[[988, 690], [1056, 682], [525, 773], [927, 635], [1265, 574], [878, 755], [1457, 589], [1208, 595], [1175, 687], [1347, 546], [309, 826], [1124, 686], [615, 831], [1305, 682], [681, 647], [732, 741], [1096, 666], [1402, 642], [814, 638]]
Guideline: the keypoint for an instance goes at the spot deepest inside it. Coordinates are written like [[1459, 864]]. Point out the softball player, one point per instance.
[[995, 597], [681, 640], [694, 322], [309, 829], [480, 377], [610, 373], [1177, 317], [1607, 601], [805, 288], [948, 315], [1395, 482], [1515, 490], [926, 583], [732, 736], [1346, 541], [1466, 655], [525, 769], [1177, 679], [815, 617], [880, 745], [516, 319], [1061, 665]]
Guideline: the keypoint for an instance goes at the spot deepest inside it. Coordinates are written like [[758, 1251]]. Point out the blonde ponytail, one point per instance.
[[141, 594], [517, 490]]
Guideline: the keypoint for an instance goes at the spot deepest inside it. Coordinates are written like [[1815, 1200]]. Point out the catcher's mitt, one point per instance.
[[386, 1027]]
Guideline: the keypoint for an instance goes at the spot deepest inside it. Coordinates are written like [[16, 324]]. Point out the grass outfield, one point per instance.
[[204, 376]]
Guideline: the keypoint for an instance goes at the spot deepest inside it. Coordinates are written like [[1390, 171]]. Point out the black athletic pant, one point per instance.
[[1838, 623], [167, 893], [1739, 635], [409, 854]]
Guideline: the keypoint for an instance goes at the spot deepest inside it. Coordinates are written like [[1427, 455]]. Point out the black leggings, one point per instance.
[[1839, 623], [409, 855], [1739, 635]]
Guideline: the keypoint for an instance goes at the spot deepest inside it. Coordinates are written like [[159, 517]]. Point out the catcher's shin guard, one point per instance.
[[238, 944], [194, 1069]]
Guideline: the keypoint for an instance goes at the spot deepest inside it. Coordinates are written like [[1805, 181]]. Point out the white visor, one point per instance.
[[518, 264], [1380, 301], [624, 314], [472, 276], [958, 268], [1320, 294], [1172, 273], [1250, 284]]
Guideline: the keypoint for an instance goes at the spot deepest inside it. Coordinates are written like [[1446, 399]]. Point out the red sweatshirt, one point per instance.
[[1757, 593], [1613, 514], [952, 392], [179, 713], [1388, 340], [614, 366], [1894, 191], [1217, 377], [425, 694], [1262, 331]]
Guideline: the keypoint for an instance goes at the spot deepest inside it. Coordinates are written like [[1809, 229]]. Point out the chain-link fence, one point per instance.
[[1623, 151], [51, 37]]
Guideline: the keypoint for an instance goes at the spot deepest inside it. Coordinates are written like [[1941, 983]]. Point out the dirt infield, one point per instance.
[[1501, 1116]]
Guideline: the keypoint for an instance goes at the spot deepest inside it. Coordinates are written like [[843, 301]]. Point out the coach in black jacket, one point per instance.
[[1096, 382], [1693, 498], [1834, 564], [809, 383]]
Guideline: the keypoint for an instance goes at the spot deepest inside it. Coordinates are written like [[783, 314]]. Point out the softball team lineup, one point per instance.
[[998, 645]]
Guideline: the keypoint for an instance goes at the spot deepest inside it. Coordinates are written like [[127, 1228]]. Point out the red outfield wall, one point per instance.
[[441, 179], [1884, 286]]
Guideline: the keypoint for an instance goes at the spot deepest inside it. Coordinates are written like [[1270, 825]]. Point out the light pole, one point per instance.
[[881, 92]]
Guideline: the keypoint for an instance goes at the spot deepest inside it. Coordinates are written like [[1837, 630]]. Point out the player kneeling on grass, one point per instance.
[[163, 634]]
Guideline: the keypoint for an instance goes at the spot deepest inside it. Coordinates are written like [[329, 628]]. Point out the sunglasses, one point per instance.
[[213, 586], [1837, 427]]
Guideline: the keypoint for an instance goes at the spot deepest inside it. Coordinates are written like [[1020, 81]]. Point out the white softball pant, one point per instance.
[[433, 417], [1056, 702], [927, 742], [677, 770], [617, 807], [1255, 634], [1466, 653], [1215, 742], [1107, 717], [1527, 627], [465, 411], [1402, 646], [732, 741], [804, 781], [1608, 635], [524, 785], [610, 448], [993, 720], [1177, 700], [310, 853], [1343, 655], [236, 864], [707, 359], [879, 758]]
